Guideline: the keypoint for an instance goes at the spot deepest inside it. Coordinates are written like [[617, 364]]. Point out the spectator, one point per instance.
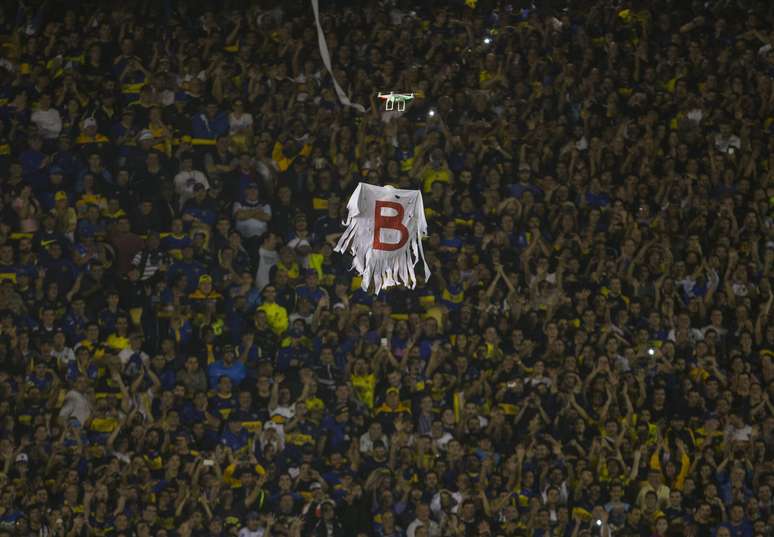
[[229, 366], [47, 119], [251, 215], [182, 354]]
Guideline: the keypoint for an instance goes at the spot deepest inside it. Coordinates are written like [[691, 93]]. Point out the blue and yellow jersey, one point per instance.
[[173, 244], [452, 296]]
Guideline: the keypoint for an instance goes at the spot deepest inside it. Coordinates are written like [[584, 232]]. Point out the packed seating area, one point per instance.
[[182, 354]]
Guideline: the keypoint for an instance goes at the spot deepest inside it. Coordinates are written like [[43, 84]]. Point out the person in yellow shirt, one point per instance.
[[205, 291], [364, 381], [89, 134], [276, 315], [392, 406], [160, 132], [283, 154], [119, 340], [677, 479], [435, 170], [66, 217]]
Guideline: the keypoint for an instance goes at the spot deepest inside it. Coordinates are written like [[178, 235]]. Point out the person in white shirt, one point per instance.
[[437, 504], [239, 121], [47, 119], [252, 216], [254, 528], [423, 520], [726, 141], [267, 259], [684, 324], [134, 349], [374, 434], [76, 404], [60, 351], [188, 178]]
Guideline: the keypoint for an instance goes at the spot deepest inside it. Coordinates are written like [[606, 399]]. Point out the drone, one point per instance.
[[391, 98]]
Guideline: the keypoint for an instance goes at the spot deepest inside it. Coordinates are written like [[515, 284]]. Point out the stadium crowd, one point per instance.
[[182, 355]]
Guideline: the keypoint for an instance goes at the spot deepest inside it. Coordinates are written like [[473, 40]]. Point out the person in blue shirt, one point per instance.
[[234, 435], [56, 184], [328, 227], [175, 241], [228, 366], [524, 182], [201, 208], [210, 124], [41, 377], [65, 158], [196, 410], [737, 524], [336, 430], [223, 402], [596, 196], [247, 349], [450, 244], [164, 371], [310, 290], [76, 320], [60, 269], [189, 266], [35, 164]]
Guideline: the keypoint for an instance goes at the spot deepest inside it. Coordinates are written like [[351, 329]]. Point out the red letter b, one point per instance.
[[389, 222]]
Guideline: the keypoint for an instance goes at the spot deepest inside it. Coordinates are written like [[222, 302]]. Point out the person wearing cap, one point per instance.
[[329, 524], [146, 139], [65, 215], [336, 428], [89, 138], [22, 458], [391, 409], [205, 300]]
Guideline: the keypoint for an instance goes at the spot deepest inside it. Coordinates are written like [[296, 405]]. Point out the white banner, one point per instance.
[[326, 58], [384, 234]]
